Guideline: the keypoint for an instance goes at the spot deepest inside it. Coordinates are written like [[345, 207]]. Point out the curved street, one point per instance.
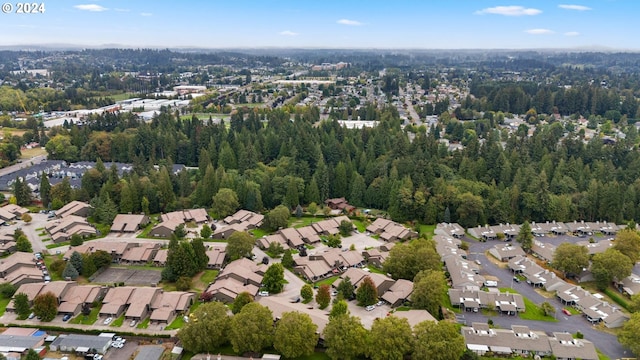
[[605, 342]]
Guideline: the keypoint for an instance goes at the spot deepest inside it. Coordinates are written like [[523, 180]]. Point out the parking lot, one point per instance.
[[129, 276]]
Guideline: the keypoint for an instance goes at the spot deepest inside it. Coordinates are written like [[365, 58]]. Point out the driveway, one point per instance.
[[606, 342]]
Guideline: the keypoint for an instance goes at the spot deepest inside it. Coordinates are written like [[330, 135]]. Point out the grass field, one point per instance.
[[303, 221], [328, 281], [258, 233], [118, 322], [29, 153], [3, 305], [144, 324], [361, 226], [86, 320], [178, 322], [427, 229]]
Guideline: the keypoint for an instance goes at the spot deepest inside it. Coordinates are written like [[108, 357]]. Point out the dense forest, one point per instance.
[[272, 157]]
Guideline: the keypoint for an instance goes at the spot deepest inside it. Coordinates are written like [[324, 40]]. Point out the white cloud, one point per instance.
[[91, 7], [571, 33], [574, 7], [349, 22], [146, 14], [509, 11], [539, 31], [288, 33]]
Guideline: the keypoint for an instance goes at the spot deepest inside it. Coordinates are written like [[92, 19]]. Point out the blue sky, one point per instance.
[[425, 24]]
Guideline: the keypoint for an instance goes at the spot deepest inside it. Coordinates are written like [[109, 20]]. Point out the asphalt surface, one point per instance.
[[605, 342]]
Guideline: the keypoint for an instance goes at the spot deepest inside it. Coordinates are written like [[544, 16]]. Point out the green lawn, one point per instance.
[[118, 322], [53, 246], [375, 270], [48, 259], [258, 233], [361, 226], [86, 320], [534, 312], [209, 276], [427, 229], [327, 281], [144, 324], [447, 303], [602, 356], [3, 305], [403, 308], [296, 222]]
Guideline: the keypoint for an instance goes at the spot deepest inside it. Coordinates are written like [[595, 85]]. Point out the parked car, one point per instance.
[[66, 317], [370, 308], [380, 303], [516, 279], [108, 320], [263, 293], [265, 260], [133, 323], [97, 357], [566, 312], [32, 315]]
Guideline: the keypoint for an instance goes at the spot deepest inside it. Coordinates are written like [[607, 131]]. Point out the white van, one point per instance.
[[490, 283]]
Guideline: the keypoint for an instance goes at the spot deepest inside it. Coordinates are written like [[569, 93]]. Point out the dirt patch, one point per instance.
[[547, 294]]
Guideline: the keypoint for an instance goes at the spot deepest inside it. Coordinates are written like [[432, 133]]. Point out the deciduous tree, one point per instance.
[[241, 300], [345, 337], [206, 231], [323, 296], [207, 329], [629, 335], [295, 335], [610, 265], [570, 258], [367, 292], [23, 244], [408, 259], [287, 259], [429, 287], [252, 329], [628, 242], [225, 202], [306, 292], [390, 338], [339, 308], [277, 218], [21, 304], [239, 245], [437, 341], [45, 306], [273, 279]]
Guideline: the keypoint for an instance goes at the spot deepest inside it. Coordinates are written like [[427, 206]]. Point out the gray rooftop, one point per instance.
[[77, 340], [16, 341], [149, 352]]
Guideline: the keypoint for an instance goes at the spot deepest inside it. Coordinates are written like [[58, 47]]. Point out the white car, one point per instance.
[[370, 308], [97, 357], [133, 323], [263, 293], [107, 321]]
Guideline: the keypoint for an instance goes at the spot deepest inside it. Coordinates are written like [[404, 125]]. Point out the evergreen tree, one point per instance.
[[367, 293], [70, 272], [45, 190], [201, 253], [76, 261], [21, 304]]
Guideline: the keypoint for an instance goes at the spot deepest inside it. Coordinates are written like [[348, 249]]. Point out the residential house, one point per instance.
[[216, 256], [248, 219], [292, 237], [169, 304], [480, 338], [198, 216], [329, 226], [161, 257], [16, 210], [6, 215], [580, 228], [543, 250], [223, 232], [309, 235], [129, 223], [242, 275], [390, 231], [139, 255], [140, 303], [265, 241], [398, 293], [78, 296], [483, 233], [115, 248], [77, 208], [506, 252], [340, 204], [116, 300], [20, 268], [565, 347], [62, 229], [510, 231], [165, 229], [450, 229], [375, 257], [463, 273], [630, 285], [596, 247]]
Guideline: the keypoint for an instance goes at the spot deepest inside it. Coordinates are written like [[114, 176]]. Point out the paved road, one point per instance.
[[25, 163], [607, 343]]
